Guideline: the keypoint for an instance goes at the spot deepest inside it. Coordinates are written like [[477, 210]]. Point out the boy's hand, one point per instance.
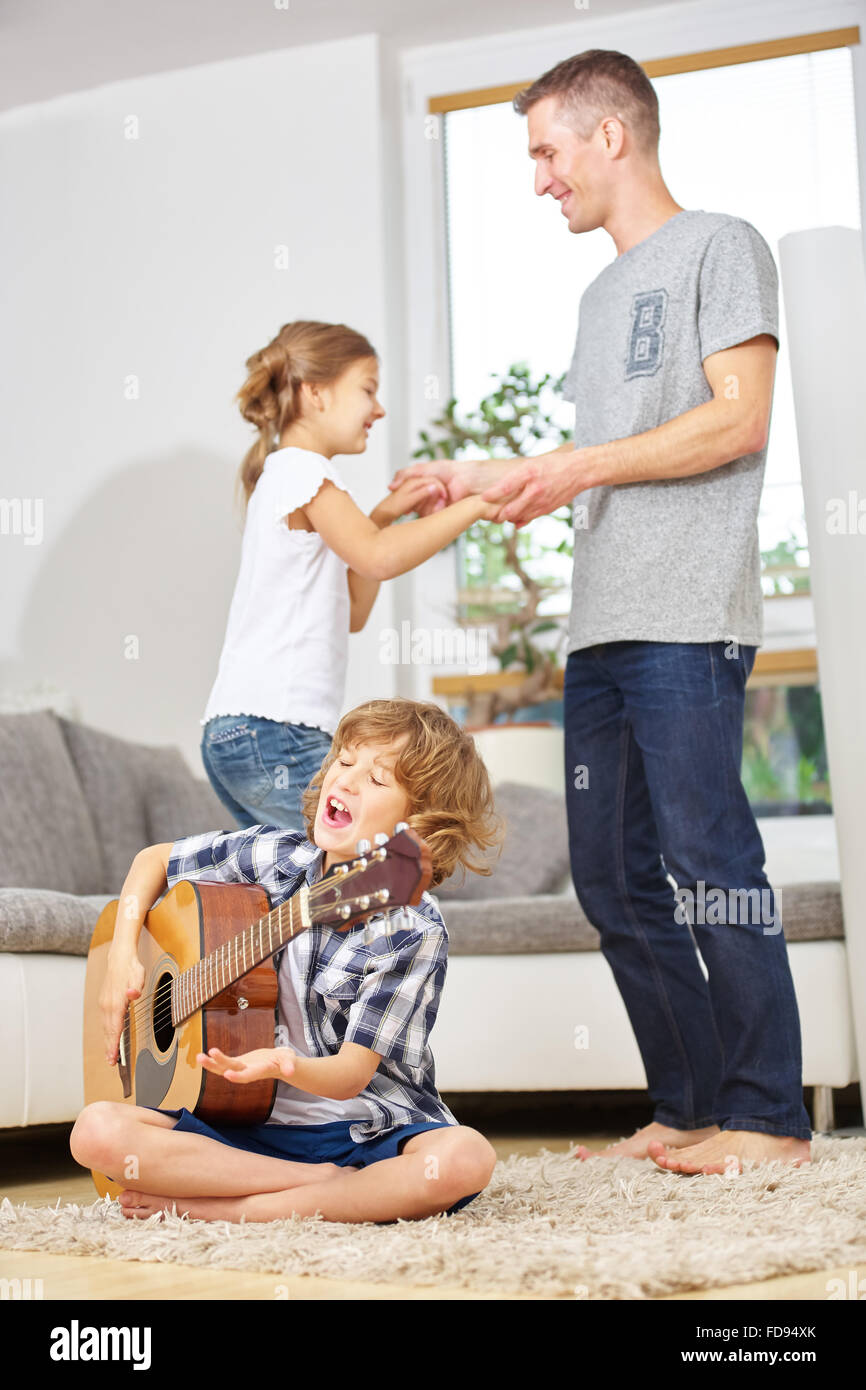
[[259, 1065], [123, 982]]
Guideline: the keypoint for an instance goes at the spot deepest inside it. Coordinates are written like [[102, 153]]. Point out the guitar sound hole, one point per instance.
[[163, 1029]]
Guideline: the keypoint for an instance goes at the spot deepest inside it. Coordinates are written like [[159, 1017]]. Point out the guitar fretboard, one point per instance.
[[215, 972]]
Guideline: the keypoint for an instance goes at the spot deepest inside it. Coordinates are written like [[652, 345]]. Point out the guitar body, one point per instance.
[[158, 1066]]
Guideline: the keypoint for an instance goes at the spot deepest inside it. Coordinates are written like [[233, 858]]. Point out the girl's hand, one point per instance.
[[123, 982], [456, 478], [420, 494], [491, 511], [260, 1065]]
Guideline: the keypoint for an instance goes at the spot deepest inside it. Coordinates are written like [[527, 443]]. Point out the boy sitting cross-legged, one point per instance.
[[358, 1131]]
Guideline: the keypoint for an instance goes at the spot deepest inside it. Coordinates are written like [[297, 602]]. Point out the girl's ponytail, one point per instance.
[[270, 397]]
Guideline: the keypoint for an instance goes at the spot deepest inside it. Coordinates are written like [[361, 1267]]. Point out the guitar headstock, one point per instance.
[[389, 874]]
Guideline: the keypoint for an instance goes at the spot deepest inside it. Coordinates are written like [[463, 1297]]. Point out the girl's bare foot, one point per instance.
[[638, 1145], [726, 1151]]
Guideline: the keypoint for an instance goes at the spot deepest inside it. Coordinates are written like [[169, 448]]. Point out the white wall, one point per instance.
[[154, 257]]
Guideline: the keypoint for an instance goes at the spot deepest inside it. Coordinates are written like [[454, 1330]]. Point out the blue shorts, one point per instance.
[[330, 1143]]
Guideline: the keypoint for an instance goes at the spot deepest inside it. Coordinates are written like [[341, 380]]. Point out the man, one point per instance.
[[672, 381]]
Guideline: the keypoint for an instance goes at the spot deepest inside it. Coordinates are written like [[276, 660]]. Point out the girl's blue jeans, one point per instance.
[[653, 750], [259, 768]]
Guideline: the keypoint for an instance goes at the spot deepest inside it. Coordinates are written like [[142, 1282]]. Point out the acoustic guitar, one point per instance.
[[210, 980]]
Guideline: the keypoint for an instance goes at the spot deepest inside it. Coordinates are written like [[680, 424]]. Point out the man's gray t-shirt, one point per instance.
[[677, 559]]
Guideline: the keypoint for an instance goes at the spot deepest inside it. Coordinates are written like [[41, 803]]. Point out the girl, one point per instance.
[[311, 565]]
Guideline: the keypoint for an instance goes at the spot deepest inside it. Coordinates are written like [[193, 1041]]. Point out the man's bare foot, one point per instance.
[[638, 1145], [726, 1151]]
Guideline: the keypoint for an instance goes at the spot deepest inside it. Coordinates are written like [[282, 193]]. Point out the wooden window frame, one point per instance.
[[666, 67], [793, 666]]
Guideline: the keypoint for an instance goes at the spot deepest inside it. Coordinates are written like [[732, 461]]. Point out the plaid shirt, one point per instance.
[[377, 984]]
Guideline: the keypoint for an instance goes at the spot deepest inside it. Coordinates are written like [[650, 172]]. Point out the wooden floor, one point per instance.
[[38, 1169]]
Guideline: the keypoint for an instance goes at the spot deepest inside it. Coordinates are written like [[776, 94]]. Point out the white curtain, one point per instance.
[[824, 287]]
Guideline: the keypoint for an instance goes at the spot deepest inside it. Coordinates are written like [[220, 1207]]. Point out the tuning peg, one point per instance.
[[380, 838], [363, 847], [401, 825]]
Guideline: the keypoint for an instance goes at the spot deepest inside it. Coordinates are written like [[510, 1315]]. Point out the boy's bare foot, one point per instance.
[[138, 1206], [638, 1145], [726, 1150]]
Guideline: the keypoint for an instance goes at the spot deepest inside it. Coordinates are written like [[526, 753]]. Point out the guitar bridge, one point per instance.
[[123, 1069]]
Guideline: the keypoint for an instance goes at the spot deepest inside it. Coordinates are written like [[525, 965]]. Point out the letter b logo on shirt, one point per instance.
[[647, 338]]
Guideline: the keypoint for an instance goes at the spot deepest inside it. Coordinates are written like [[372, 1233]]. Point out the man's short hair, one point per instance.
[[597, 83]]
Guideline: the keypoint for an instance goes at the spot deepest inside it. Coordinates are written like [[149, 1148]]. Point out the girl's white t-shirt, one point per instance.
[[286, 643]]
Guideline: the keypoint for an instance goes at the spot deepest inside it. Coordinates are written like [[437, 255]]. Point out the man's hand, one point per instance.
[[539, 486], [562, 473], [262, 1064]]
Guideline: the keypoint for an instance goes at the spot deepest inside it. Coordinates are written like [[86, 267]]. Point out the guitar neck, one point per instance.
[[218, 970]]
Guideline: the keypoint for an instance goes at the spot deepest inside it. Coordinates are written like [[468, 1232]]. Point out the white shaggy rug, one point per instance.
[[547, 1225]]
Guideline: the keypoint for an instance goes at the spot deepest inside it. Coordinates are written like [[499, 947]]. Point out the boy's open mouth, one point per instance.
[[335, 813]]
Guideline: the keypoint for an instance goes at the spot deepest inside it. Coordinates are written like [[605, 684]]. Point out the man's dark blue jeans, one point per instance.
[[653, 748]]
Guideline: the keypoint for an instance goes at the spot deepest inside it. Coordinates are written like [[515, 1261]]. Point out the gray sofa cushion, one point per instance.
[[179, 804], [534, 856], [520, 926], [516, 926], [812, 912], [47, 836], [138, 795], [34, 919], [37, 920]]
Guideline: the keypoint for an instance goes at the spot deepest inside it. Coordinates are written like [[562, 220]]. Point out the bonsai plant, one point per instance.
[[507, 578]]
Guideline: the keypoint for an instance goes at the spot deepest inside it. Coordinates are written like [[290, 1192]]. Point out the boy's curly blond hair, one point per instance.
[[441, 770]]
